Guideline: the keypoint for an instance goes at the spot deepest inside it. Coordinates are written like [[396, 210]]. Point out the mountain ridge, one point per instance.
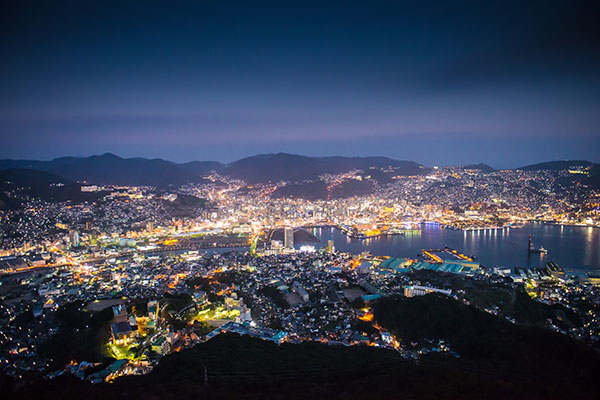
[[485, 168], [556, 165], [110, 169], [21, 182]]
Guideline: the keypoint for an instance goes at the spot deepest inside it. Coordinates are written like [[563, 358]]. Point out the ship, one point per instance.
[[532, 250]]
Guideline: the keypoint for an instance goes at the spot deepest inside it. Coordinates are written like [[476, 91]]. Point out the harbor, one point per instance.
[[572, 247]]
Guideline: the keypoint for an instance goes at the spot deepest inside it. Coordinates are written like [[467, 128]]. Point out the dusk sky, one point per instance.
[[439, 83]]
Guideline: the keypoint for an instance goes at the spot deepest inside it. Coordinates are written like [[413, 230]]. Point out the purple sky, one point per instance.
[[440, 83]]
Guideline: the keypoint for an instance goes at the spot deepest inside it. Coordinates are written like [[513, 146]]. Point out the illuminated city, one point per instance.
[[301, 202]]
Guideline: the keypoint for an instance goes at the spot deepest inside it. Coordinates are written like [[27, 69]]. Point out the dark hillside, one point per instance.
[[484, 338], [246, 368]]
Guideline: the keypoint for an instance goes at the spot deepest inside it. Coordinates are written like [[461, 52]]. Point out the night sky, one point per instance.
[[439, 83]]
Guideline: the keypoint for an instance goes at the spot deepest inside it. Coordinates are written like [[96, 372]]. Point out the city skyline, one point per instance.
[[507, 84]]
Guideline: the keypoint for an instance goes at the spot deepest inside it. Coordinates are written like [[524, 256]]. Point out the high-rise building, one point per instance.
[[288, 238], [75, 239], [330, 246]]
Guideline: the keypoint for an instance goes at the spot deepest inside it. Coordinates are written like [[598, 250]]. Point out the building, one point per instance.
[[301, 292], [272, 252], [9, 264], [38, 310], [36, 260], [247, 329], [330, 246], [49, 290], [368, 298], [161, 345], [75, 239], [122, 333], [450, 260], [555, 270], [233, 303], [412, 291], [200, 298], [153, 310], [288, 238], [386, 337], [120, 313]]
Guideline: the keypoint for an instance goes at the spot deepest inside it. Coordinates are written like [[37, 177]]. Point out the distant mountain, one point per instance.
[[201, 168], [557, 165], [109, 169], [184, 206], [23, 177], [481, 167], [290, 167], [316, 190], [350, 188], [402, 167], [594, 179], [23, 182], [274, 168], [17, 164]]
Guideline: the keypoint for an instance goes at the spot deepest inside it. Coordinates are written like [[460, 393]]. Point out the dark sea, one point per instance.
[[572, 247]]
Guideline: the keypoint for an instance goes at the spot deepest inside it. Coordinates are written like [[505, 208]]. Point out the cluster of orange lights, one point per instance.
[[456, 253], [372, 232], [175, 281], [433, 256], [367, 316]]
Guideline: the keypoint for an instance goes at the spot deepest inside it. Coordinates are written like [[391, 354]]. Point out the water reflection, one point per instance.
[[572, 247]]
